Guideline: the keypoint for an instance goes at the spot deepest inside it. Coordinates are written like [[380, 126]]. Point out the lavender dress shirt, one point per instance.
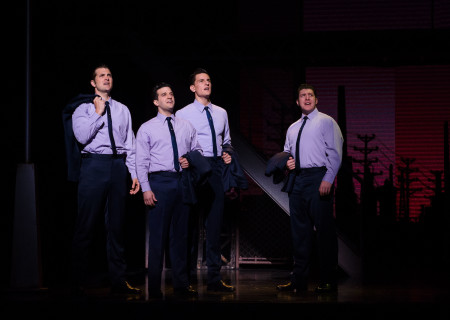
[[154, 146], [196, 115], [91, 130], [320, 143]]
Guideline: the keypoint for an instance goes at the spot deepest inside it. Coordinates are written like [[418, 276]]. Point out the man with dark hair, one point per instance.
[[103, 129], [161, 143], [314, 148], [211, 124]]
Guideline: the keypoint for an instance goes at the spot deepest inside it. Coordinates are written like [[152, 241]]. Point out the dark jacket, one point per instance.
[[276, 166], [232, 175], [196, 174], [73, 149]]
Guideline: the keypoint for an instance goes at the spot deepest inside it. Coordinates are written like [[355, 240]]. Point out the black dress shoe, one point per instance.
[[326, 288], [220, 286], [185, 292], [125, 288], [291, 287]]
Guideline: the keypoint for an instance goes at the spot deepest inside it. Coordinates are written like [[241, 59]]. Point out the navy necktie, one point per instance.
[[213, 132], [110, 129], [174, 145], [297, 145]]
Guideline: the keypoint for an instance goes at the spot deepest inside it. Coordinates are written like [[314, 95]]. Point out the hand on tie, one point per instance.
[[99, 104]]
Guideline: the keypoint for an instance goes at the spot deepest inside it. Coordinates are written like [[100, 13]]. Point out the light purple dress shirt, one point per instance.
[[320, 143], [154, 150], [91, 130], [196, 115]]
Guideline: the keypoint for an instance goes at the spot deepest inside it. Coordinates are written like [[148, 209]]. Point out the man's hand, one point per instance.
[[325, 188], [99, 104], [149, 198], [135, 186], [290, 164], [184, 163], [226, 158]]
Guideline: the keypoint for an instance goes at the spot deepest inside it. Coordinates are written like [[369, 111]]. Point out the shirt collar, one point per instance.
[[162, 117], [200, 107], [312, 115]]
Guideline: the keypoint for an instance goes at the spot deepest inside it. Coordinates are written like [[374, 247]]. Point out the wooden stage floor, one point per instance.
[[255, 297]]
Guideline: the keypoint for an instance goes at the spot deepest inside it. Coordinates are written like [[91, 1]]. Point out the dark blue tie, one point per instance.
[[174, 145], [297, 145], [110, 129], [213, 132]]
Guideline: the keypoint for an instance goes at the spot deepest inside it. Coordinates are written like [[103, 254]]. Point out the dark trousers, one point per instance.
[[167, 221], [308, 210], [210, 208], [102, 192]]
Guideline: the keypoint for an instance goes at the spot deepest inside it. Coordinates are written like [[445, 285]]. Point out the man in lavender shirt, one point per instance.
[[159, 163], [102, 187], [315, 167], [212, 193]]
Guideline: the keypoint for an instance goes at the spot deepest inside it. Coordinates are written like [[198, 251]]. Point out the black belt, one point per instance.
[[169, 174], [104, 156], [310, 170]]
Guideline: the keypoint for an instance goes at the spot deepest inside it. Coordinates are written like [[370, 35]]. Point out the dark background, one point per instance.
[[147, 42]]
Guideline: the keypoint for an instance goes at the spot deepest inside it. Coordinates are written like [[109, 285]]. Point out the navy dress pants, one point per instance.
[[312, 216], [102, 192], [210, 208], [167, 221]]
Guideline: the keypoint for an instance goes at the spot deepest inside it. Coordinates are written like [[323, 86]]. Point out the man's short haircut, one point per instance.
[[195, 73], [306, 86], [94, 73], [157, 87]]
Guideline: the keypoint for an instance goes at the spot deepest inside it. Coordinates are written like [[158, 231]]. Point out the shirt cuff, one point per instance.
[[145, 187], [328, 177]]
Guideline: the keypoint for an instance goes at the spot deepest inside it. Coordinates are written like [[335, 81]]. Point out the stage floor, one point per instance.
[[255, 296]]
